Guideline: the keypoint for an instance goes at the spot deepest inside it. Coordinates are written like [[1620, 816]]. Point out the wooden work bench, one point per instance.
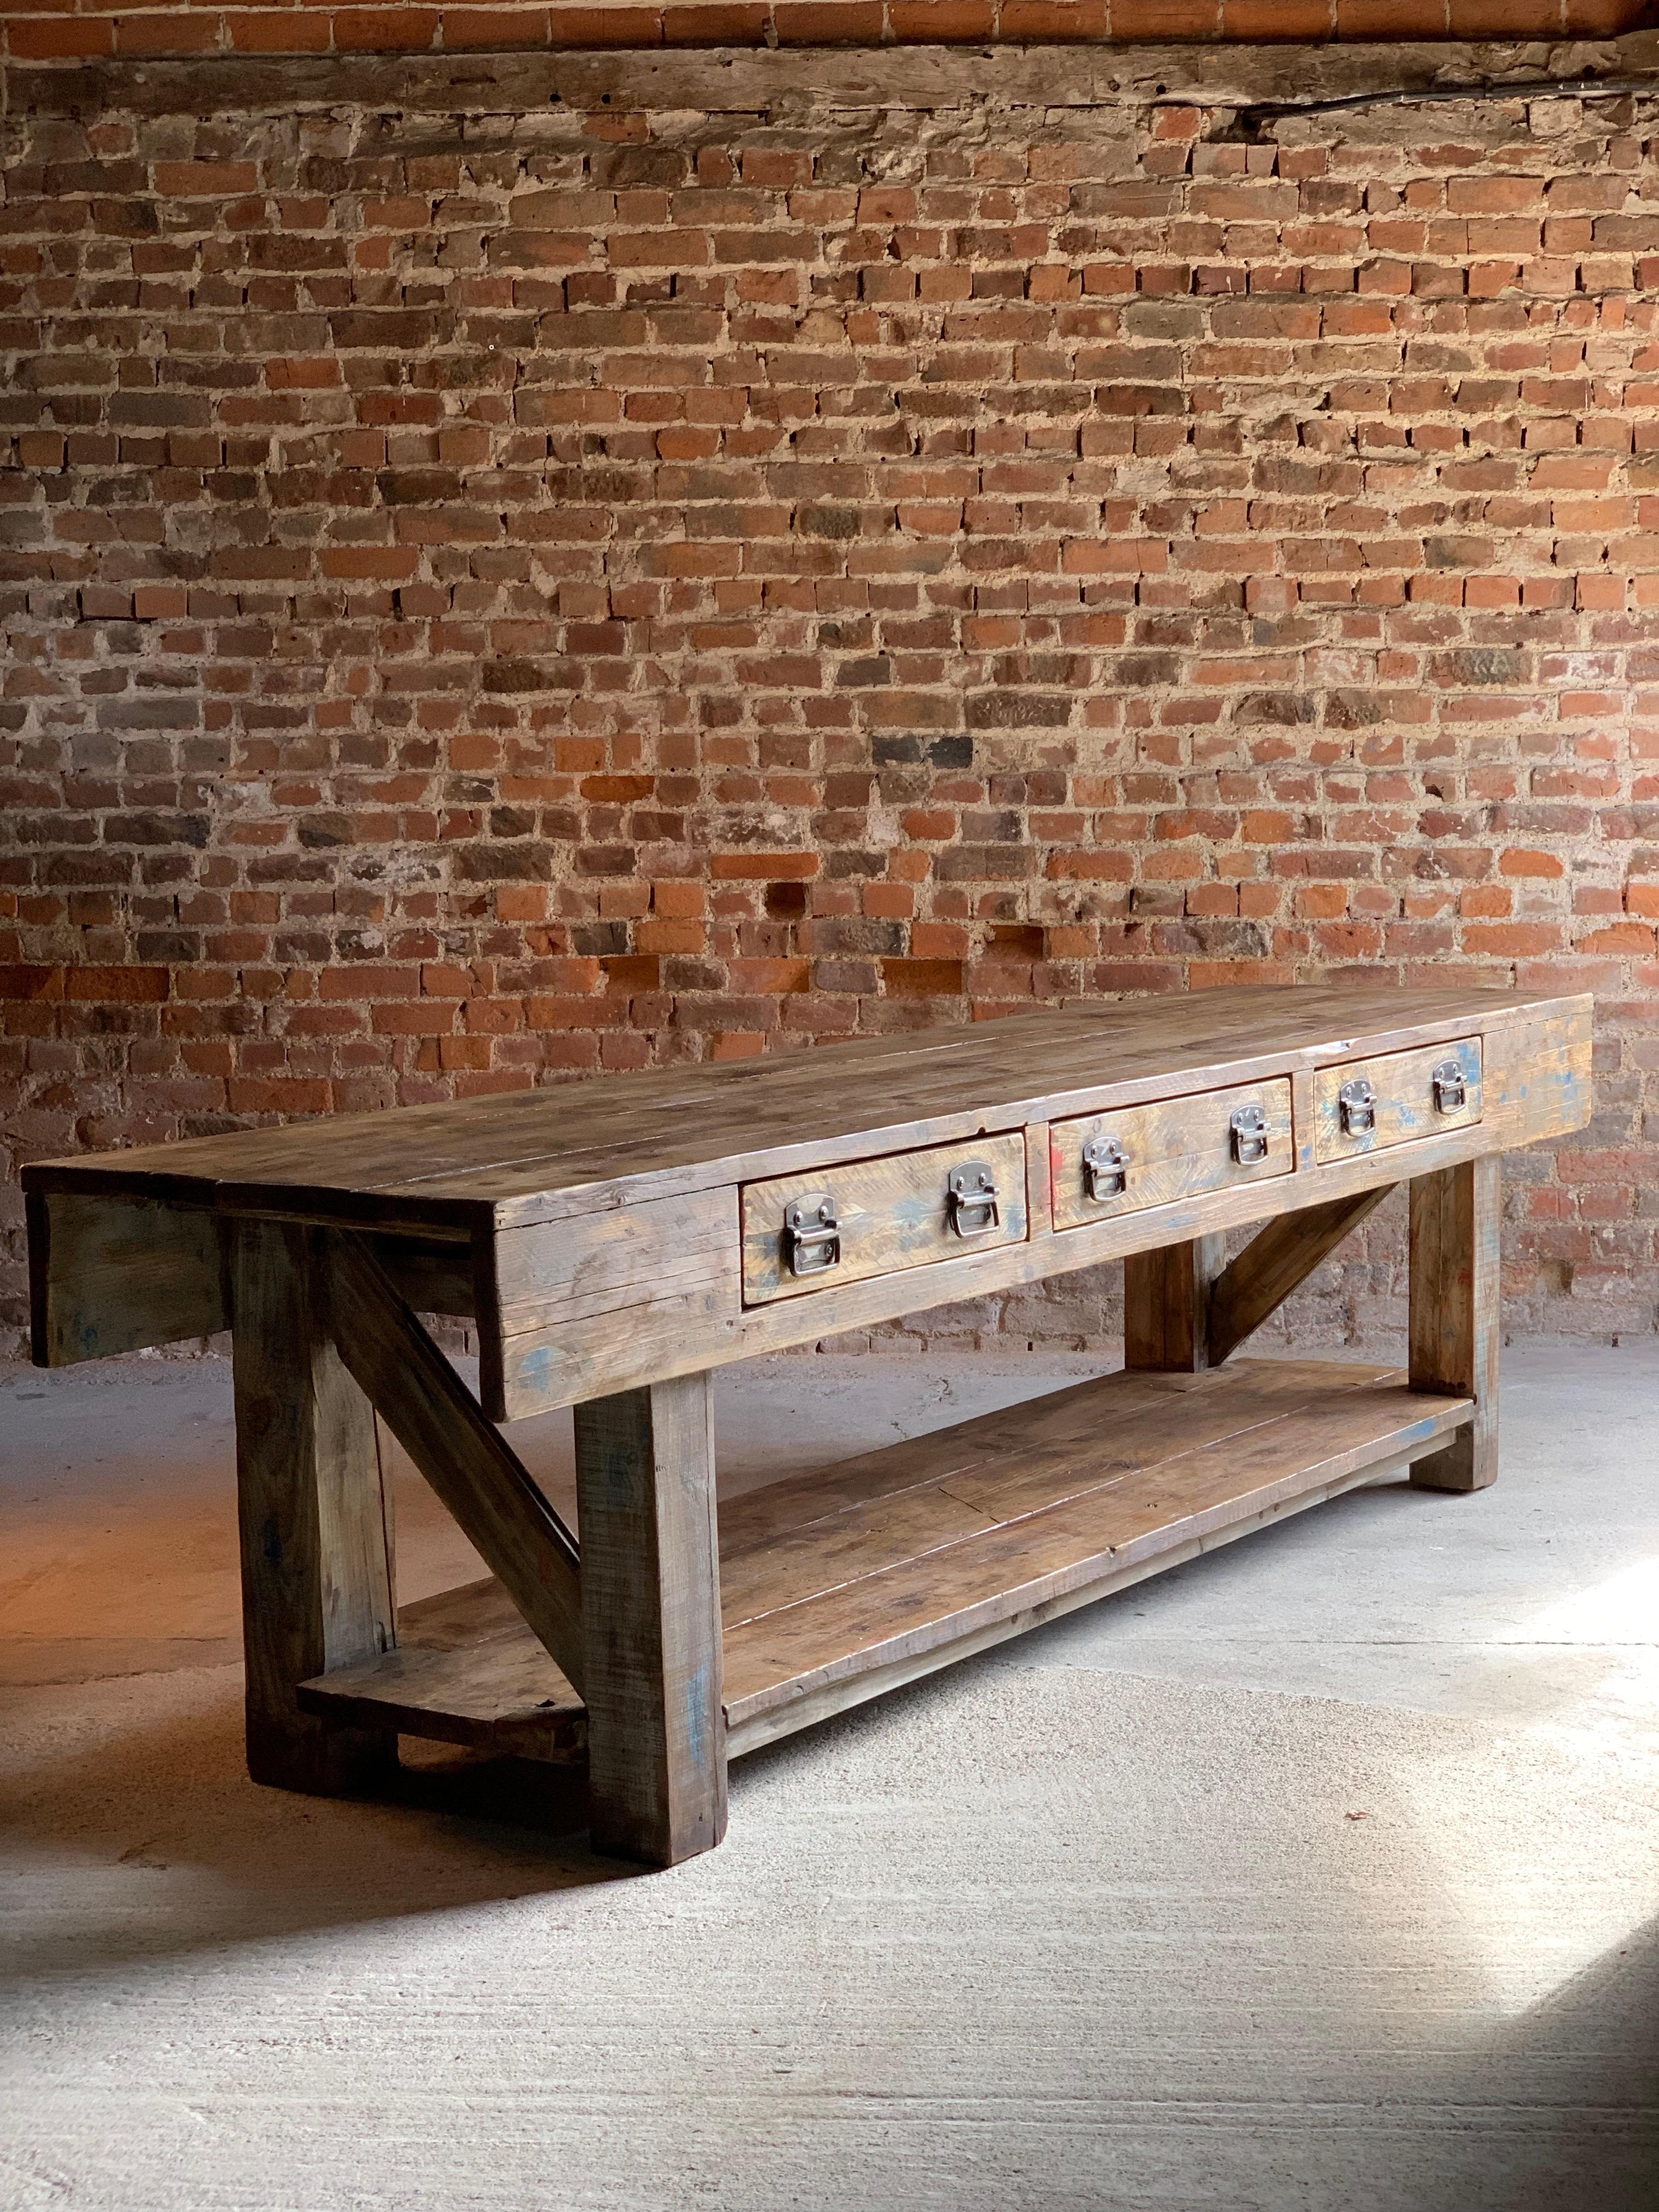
[[616, 1241]]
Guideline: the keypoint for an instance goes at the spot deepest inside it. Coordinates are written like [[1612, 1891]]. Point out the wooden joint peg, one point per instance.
[[1166, 1304], [1455, 1312], [315, 1517], [651, 1621]]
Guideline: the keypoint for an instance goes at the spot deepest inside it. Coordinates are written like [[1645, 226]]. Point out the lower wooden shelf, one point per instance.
[[841, 1584], [467, 1670]]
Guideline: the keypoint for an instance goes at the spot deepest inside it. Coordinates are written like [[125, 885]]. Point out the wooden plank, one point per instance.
[[670, 1266], [467, 1670], [1044, 1066], [1054, 1422], [840, 1693], [472, 1468], [793, 1539], [678, 1251], [1404, 1104], [645, 1477], [892, 1213], [1007, 1462], [1175, 1148], [784, 1655], [1455, 1316], [1162, 1417], [113, 1274], [794, 86], [1166, 1304], [1251, 1288], [314, 1515], [540, 1154], [579, 1359], [1536, 1085]]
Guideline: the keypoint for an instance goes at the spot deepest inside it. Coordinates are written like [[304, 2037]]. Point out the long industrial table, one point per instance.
[[615, 1241]]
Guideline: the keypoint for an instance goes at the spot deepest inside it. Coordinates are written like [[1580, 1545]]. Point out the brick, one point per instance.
[[827, 22], [470, 29], [59, 37], [279, 31], [386, 30], [173, 32]]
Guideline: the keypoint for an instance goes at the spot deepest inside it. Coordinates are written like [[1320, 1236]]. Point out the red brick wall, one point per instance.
[[494, 598], [52, 30]]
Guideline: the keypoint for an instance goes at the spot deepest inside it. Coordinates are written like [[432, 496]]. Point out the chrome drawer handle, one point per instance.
[[812, 1234], [1250, 1135], [1357, 1104], [1450, 1087], [972, 1191], [1105, 1168]]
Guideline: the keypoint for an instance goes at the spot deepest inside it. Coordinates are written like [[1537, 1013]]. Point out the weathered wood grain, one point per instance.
[[1454, 1317], [1154, 1467], [1260, 1457], [651, 1610], [893, 1214], [314, 1517], [584, 1306], [1537, 1085], [500, 88], [1251, 1288], [838, 1692], [1177, 1148], [796, 1539], [584, 1148], [1404, 1107], [115, 1274], [670, 1251], [471, 1467], [1166, 1304], [468, 1669]]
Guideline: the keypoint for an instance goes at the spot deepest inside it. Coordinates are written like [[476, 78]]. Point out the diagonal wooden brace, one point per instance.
[[474, 1471], [1184, 1310], [1277, 1260]]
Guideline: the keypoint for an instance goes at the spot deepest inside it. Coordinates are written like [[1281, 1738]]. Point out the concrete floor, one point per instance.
[[1323, 1873]]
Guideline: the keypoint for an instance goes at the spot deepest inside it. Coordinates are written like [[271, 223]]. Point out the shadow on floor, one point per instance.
[[96, 1792], [1591, 2143]]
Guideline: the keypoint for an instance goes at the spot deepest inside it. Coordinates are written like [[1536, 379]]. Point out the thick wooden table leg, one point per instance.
[[1166, 1304], [1455, 1318], [651, 1621], [317, 1589]]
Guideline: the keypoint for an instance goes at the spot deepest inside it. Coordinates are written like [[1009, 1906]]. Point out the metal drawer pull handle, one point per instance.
[[1357, 1104], [1105, 1170], [1450, 1087], [1249, 1131], [812, 1234], [973, 1197]]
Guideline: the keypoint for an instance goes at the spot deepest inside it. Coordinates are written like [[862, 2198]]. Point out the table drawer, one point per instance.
[[839, 1224], [1140, 1156], [1366, 1105]]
